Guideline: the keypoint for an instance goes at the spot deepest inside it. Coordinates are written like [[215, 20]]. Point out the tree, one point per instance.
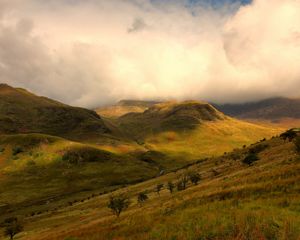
[[118, 204], [297, 144], [289, 134], [12, 227], [159, 187], [194, 177], [181, 185], [142, 197], [171, 186], [250, 158]]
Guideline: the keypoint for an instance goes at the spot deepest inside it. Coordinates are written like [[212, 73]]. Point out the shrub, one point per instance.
[[251, 158], [142, 197], [171, 186], [2, 149], [181, 185], [12, 227], [258, 148], [16, 150], [194, 177], [85, 154], [290, 135], [159, 187], [118, 204], [297, 144]]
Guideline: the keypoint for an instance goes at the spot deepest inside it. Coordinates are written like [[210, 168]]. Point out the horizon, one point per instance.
[[103, 52]]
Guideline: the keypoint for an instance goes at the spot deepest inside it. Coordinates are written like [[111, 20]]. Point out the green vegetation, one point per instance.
[[194, 177], [142, 197], [297, 144], [232, 201], [12, 227], [118, 204], [251, 158]]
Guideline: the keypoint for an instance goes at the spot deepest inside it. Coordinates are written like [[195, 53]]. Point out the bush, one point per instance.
[[251, 158], [171, 186], [118, 204], [290, 135], [17, 150], [2, 149], [86, 154], [258, 148], [12, 227], [297, 144], [159, 187], [194, 177], [142, 197], [181, 185]]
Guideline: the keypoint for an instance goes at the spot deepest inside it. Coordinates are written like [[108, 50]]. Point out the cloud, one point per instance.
[[137, 25], [84, 53]]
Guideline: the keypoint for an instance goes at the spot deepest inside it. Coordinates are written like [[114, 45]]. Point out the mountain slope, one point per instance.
[[24, 112], [269, 109], [123, 107], [169, 116], [190, 130], [233, 201]]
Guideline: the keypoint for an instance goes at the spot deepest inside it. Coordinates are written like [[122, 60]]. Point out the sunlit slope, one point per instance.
[[191, 130], [123, 107], [232, 201], [35, 169]]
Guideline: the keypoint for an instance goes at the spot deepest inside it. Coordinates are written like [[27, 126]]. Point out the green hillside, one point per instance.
[[190, 130], [233, 200], [24, 112]]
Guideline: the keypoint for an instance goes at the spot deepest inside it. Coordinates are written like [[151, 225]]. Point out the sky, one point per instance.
[[95, 52]]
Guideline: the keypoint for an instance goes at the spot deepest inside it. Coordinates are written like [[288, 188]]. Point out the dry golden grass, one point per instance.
[[233, 201]]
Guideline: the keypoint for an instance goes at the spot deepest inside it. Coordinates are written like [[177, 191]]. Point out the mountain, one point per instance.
[[190, 130], [123, 107], [24, 112], [273, 109], [169, 116], [234, 199]]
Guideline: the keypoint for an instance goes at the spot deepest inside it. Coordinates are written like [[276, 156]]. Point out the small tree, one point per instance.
[[118, 204], [159, 187], [290, 135], [297, 144], [194, 177], [12, 227], [251, 158], [181, 185], [171, 186], [142, 197]]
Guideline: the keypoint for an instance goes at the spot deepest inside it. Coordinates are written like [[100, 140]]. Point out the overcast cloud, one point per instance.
[[90, 53]]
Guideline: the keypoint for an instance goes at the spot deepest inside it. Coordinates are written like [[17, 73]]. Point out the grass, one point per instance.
[[233, 201]]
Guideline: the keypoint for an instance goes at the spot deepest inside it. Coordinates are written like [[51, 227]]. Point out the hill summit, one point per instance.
[[24, 112], [169, 116]]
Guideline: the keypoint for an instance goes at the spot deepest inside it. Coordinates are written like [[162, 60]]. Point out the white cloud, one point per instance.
[[81, 52]]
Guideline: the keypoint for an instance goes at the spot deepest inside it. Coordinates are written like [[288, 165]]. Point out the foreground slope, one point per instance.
[[38, 171], [190, 130], [233, 201], [24, 112]]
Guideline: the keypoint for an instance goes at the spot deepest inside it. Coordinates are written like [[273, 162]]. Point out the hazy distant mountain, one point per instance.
[[123, 107], [24, 112], [269, 109]]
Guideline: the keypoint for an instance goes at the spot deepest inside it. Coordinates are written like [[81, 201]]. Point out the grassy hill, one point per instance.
[[233, 200], [123, 107], [37, 169], [24, 112], [274, 109], [190, 130]]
